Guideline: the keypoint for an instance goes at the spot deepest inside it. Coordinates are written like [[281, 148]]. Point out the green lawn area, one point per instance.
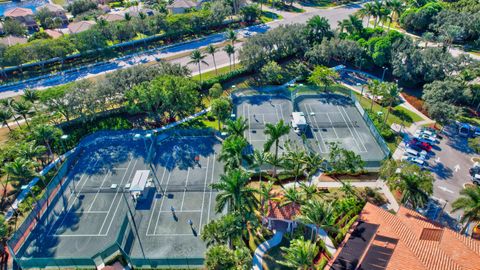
[[319, 3], [268, 16], [59, 2], [471, 120], [212, 74]]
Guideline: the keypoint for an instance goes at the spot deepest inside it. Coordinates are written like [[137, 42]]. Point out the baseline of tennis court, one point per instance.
[[166, 220], [333, 118]]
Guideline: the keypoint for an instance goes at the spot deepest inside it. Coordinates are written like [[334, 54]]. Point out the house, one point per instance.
[[135, 11], [58, 12], [104, 8], [12, 40], [78, 27], [405, 240], [24, 16], [181, 6], [53, 33], [112, 17], [281, 217]]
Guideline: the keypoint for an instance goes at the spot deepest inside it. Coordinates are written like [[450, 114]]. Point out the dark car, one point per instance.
[[418, 144]]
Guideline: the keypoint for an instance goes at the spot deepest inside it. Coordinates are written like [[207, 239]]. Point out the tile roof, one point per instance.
[[422, 244], [182, 4], [53, 33], [112, 17], [286, 212], [77, 27], [18, 12], [12, 40], [53, 7]]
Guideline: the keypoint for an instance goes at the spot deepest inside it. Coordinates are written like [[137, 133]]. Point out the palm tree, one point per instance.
[[23, 108], [7, 103], [293, 161], [259, 158], [198, 58], [318, 27], [308, 191], [31, 96], [415, 189], [234, 192], [212, 50], [367, 11], [396, 7], [313, 162], [391, 95], [290, 196], [232, 36], [274, 133], [374, 87], [319, 214], [353, 24], [230, 50], [46, 134], [20, 170], [469, 203], [377, 11], [265, 192], [31, 150], [299, 255], [237, 127], [5, 115], [232, 153], [275, 162]]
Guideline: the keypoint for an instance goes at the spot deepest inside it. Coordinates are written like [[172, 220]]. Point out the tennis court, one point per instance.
[[334, 118], [260, 110], [164, 223]]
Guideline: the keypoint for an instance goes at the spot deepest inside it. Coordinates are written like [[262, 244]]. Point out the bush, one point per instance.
[[474, 143], [272, 73], [207, 84]]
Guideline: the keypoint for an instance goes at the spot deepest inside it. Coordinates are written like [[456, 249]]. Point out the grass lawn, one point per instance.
[[319, 3], [212, 74], [470, 119], [268, 16]]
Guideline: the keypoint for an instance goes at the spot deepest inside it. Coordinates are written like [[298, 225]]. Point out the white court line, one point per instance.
[[356, 131], [351, 133], [331, 123], [93, 212], [119, 168], [185, 189], [249, 126], [163, 200], [98, 191], [211, 182], [78, 235], [183, 211], [203, 196], [161, 182], [115, 197], [309, 109]]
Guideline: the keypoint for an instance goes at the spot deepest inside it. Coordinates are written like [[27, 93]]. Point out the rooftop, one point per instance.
[[112, 17], [53, 7], [77, 27], [382, 240], [182, 4], [12, 40], [18, 12]]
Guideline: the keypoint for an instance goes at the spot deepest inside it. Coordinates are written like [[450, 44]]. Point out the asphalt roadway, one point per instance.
[[332, 14]]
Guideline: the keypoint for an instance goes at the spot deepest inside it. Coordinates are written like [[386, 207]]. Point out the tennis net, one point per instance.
[[329, 124], [169, 188]]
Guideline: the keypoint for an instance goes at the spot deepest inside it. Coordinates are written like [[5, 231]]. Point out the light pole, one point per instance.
[[383, 74], [62, 139]]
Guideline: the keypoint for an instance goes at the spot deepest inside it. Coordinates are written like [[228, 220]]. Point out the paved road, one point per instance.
[[333, 15]]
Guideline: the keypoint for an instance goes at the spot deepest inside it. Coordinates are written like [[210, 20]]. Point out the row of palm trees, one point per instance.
[[198, 57], [382, 11], [11, 109], [389, 92]]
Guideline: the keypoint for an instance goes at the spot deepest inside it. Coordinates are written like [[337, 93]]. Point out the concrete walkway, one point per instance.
[[263, 248]]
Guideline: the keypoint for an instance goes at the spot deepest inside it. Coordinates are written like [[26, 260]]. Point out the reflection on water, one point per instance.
[[31, 4]]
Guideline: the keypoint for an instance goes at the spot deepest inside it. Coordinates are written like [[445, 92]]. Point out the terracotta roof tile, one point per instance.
[[18, 12], [77, 27], [287, 212]]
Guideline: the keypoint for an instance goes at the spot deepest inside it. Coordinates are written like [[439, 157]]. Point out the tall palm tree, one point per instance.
[[20, 170], [290, 196], [259, 158], [212, 50], [274, 133], [299, 255], [23, 108], [293, 161], [5, 115], [232, 36], [230, 50], [265, 192], [352, 25], [275, 162], [367, 11], [374, 87], [308, 191], [396, 7], [232, 153], [318, 27], [8, 104], [31, 96], [234, 192], [31, 150], [198, 58], [47, 135], [377, 11], [469, 203], [313, 162], [391, 95], [415, 189], [237, 127]]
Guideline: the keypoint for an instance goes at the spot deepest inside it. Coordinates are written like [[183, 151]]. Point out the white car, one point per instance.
[[426, 132], [476, 179], [415, 160], [414, 153], [426, 138]]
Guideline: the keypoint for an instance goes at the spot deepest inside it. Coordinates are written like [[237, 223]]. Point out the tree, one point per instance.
[[272, 73], [293, 161], [319, 214], [212, 50], [219, 11], [23, 108], [469, 204], [317, 29], [230, 50], [250, 13], [215, 91], [219, 232], [323, 76], [237, 127], [14, 28], [390, 96], [47, 134], [396, 7], [30, 150], [274, 133], [265, 192], [198, 58], [374, 87], [31, 96], [5, 115], [219, 257], [290, 196], [415, 189], [259, 159], [378, 10], [232, 153], [312, 162], [428, 36], [344, 161], [79, 6], [3, 229], [234, 193], [20, 170], [366, 11], [221, 108], [300, 254], [353, 25]]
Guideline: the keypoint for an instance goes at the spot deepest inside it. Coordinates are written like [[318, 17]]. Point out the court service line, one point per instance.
[[333, 127], [309, 109], [155, 203], [115, 197], [211, 191], [203, 196], [185, 188], [74, 200], [349, 129], [348, 126], [98, 191], [356, 132]]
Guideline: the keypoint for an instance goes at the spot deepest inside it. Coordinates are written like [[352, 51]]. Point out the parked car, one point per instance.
[[415, 160], [422, 145], [409, 151], [426, 131], [426, 138], [476, 179], [475, 169]]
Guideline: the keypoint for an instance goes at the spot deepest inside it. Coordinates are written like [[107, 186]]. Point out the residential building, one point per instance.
[[12, 40], [78, 27], [181, 6], [53, 33], [405, 240], [24, 16], [112, 17], [135, 11]]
